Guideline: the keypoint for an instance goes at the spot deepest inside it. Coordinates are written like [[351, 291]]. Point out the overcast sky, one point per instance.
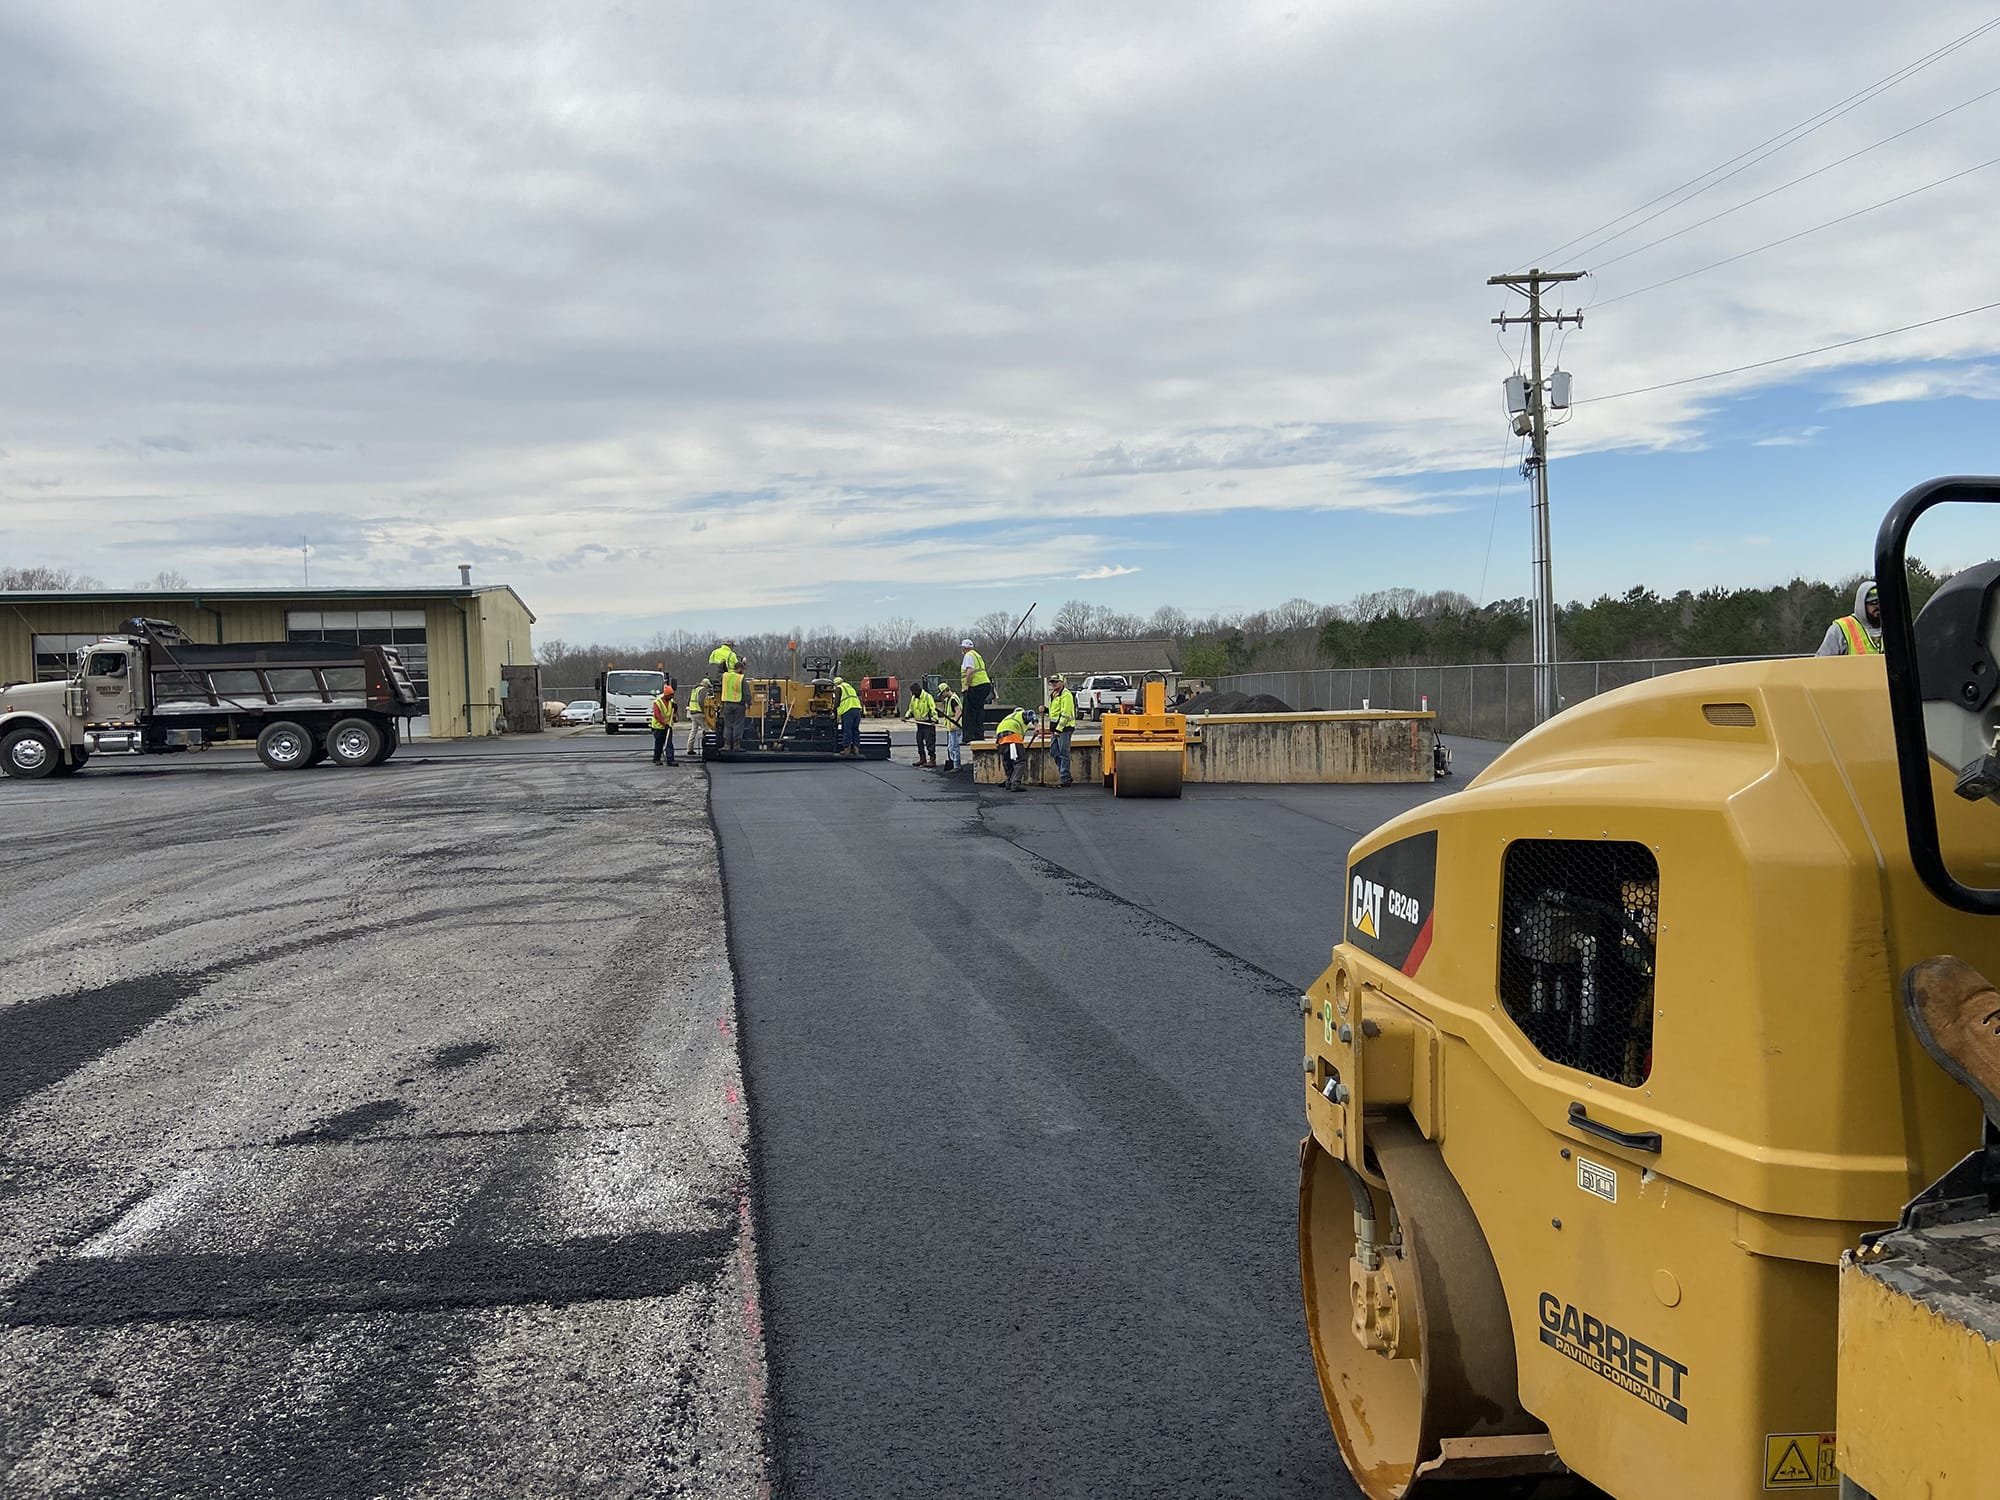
[[747, 314]]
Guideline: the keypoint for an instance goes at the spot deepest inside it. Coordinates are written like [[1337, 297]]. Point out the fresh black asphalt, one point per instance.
[[1025, 1122]]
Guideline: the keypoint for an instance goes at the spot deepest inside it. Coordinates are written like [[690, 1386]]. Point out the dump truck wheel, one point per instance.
[[29, 755], [355, 742], [1439, 1361], [285, 746], [391, 743], [319, 753]]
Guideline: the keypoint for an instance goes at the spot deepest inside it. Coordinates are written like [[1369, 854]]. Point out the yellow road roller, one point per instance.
[[1610, 1070], [1144, 754]]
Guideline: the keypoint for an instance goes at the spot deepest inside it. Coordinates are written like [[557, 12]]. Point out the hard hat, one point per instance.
[[1055, 677], [1028, 716], [967, 644]]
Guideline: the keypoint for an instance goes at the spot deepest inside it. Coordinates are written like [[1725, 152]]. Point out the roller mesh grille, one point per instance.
[[1580, 922]]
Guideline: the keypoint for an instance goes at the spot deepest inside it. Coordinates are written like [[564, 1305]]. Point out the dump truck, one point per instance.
[[148, 690], [1626, 1161]]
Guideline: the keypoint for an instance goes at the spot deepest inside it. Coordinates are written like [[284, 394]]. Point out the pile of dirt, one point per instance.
[[1235, 703]]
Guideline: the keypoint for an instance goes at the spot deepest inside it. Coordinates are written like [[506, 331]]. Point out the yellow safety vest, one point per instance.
[[977, 676], [850, 701], [732, 686], [663, 711], [950, 707], [1858, 641], [699, 697], [923, 707], [722, 656], [1012, 728], [1062, 712]]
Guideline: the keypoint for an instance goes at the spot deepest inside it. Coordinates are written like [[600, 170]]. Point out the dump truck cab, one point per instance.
[[54, 727]]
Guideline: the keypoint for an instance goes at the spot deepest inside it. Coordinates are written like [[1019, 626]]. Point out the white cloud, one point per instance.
[[1924, 383], [1103, 570], [597, 295], [1803, 438]]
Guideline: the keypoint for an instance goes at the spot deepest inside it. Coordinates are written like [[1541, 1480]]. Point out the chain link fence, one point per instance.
[[1486, 700]]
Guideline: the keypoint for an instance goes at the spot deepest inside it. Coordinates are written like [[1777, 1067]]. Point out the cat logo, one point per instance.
[[1367, 908], [1390, 895]]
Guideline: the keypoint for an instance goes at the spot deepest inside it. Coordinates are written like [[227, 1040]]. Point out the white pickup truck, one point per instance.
[[1099, 695]]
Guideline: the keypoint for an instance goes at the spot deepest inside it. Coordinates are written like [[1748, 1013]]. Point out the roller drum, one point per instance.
[[1148, 771]]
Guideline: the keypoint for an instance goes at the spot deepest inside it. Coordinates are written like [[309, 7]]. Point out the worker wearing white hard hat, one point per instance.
[[978, 687]]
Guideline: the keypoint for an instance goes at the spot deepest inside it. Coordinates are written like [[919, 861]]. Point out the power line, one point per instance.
[[1865, 338], [1816, 171], [1800, 234], [1493, 522], [1789, 136]]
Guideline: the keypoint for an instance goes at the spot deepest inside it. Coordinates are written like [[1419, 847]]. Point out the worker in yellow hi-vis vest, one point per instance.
[[1858, 634], [924, 714], [848, 711], [697, 717], [977, 687], [663, 723], [734, 685]]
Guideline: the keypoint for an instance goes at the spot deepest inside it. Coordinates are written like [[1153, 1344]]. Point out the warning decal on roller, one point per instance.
[[1799, 1461], [1389, 901]]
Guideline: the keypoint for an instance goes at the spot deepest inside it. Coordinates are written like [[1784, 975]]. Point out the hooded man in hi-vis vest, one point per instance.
[[1858, 634]]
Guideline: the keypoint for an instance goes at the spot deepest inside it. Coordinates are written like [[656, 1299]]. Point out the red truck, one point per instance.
[[880, 697]]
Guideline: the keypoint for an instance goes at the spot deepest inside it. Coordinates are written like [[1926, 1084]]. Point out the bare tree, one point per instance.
[[993, 626], [46, 580], [167, 580], [1296, 614], [1073, 620]]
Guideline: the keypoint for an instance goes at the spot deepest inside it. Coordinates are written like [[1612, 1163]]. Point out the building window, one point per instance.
[[401, 628], [55, 655]]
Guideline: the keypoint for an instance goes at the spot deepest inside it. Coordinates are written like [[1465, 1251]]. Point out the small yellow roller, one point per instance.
[[1145, 754]]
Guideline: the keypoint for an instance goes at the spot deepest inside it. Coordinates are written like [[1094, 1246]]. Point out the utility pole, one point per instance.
[[1535, 417]]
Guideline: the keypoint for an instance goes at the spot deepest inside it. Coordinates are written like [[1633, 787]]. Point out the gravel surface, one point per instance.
[[1027, 1128], [373, 1132]]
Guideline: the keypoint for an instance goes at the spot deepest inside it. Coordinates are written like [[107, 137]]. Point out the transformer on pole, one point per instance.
[[1529, 401]]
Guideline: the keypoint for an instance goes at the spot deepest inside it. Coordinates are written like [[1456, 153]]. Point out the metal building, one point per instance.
[[455, 641]]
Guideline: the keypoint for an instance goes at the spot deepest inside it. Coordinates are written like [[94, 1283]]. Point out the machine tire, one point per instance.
[[610, 728], [355, 742], [285, 746], [28, 755], [391, 743]]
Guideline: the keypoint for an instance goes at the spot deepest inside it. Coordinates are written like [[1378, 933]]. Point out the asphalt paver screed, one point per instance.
[[373, 1133]]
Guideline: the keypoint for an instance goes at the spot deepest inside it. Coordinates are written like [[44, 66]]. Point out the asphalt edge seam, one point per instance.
[[771, 1476]]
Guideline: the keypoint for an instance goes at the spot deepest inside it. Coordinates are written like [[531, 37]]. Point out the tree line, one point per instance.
[[1383, 628]]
